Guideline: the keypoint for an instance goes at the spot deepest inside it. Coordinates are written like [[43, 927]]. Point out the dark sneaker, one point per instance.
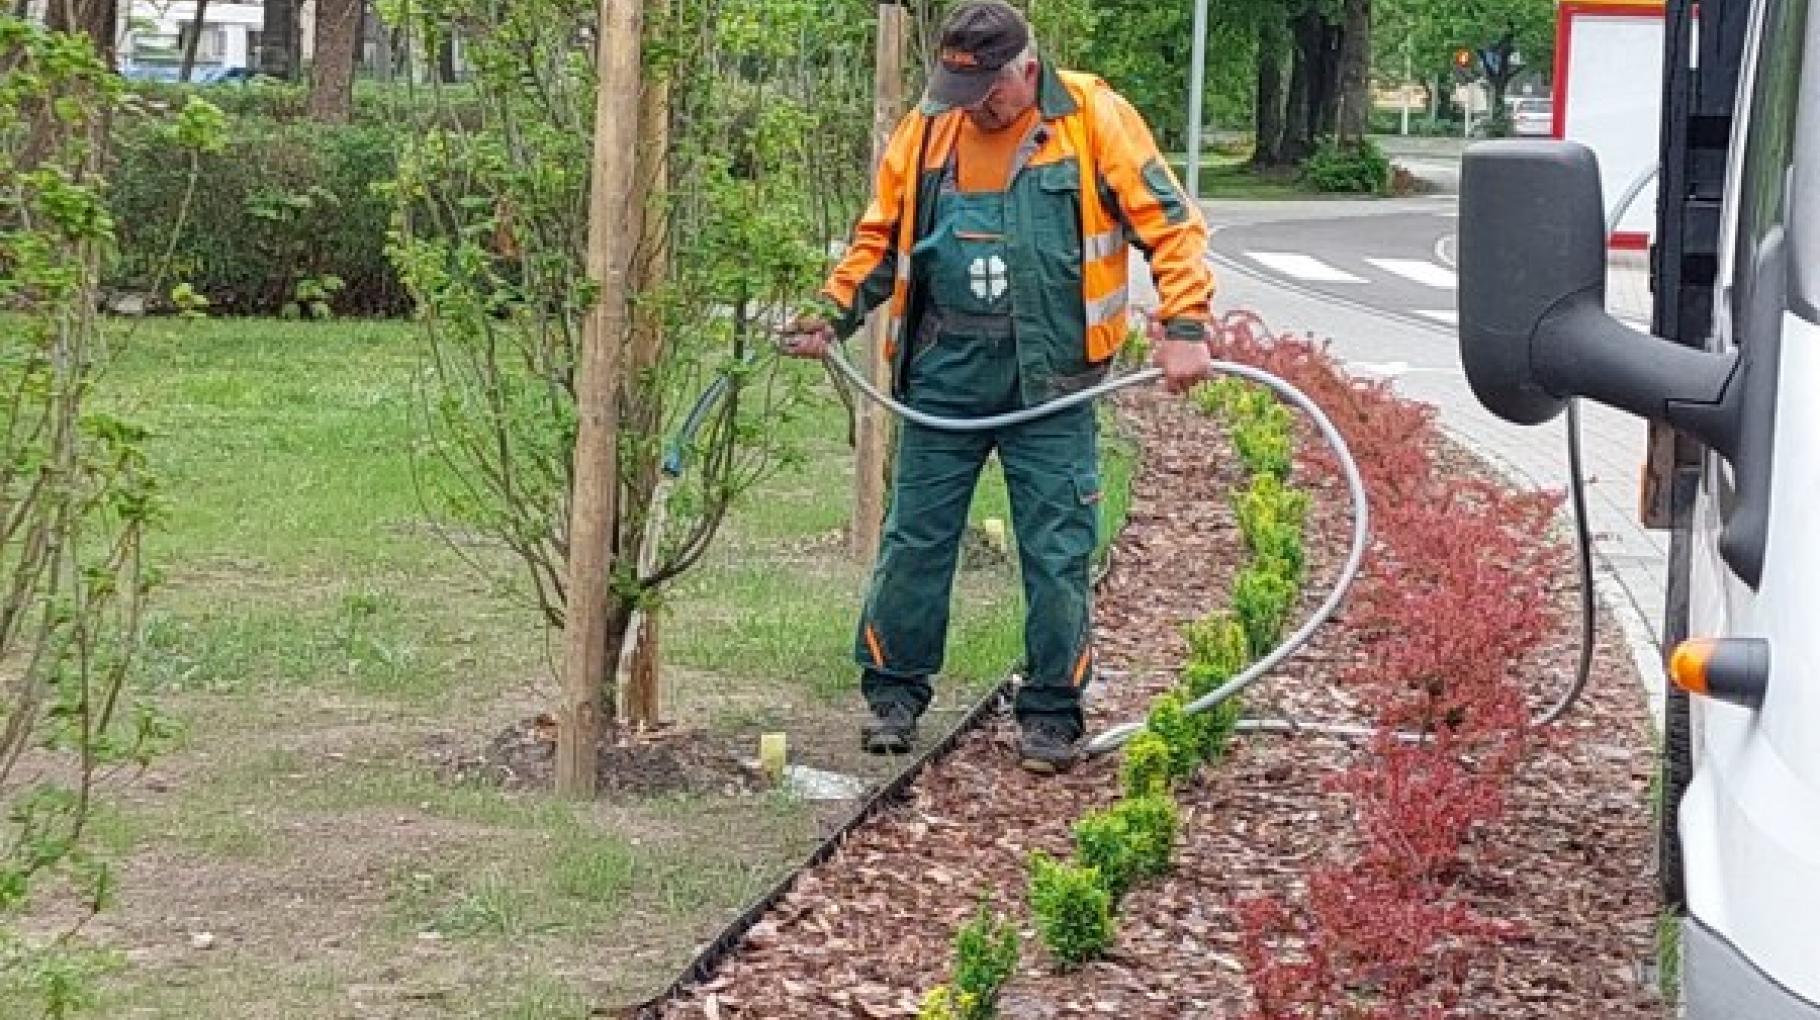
[[1047, 746], [891, 731]]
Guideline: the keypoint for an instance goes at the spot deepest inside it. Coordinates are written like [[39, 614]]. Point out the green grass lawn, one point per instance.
[[321, 645]]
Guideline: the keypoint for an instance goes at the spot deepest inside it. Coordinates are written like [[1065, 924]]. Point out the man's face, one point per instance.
[[1011, 95]]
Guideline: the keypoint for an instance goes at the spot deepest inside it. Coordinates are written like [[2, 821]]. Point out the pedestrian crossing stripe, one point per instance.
[[1302, 267], [1422, 271]]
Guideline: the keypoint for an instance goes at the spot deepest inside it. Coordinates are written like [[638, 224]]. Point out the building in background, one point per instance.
[[1608, 97]]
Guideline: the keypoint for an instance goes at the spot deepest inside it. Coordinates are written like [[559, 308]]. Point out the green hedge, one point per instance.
[[270, 99], [285, 207]]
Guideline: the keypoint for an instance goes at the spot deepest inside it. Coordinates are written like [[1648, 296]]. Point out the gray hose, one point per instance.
[[1116, 737]]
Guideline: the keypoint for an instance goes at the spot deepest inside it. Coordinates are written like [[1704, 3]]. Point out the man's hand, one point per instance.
[[1181, 352], [808, 336]]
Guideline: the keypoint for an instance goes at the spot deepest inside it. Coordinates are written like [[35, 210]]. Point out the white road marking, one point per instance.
[[1302, 267], [1442, 315], [1420, 270]]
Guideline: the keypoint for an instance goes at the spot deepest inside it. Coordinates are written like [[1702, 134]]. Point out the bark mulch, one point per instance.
[[867, 932]]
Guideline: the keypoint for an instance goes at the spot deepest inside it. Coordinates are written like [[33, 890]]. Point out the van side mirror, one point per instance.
[[1534, 332]]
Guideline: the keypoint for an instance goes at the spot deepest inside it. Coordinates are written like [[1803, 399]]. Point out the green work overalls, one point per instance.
[[969, 359]]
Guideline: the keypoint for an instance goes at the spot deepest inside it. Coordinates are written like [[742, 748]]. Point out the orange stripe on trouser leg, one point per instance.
[[1080, 665], [878, 653]]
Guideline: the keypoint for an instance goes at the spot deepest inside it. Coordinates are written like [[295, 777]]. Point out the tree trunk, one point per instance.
[[382, 52], [1300, 109], [332, 69], [278, 40], [188, 67], [1500, 84], [1268, 151], [1327, 103], [1355, 74], [644, 409], [445, 60], [873, 438], [97, 19], [591, 641]]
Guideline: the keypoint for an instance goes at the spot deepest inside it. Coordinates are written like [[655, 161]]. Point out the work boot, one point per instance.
[[1047, 746], [891, 731]]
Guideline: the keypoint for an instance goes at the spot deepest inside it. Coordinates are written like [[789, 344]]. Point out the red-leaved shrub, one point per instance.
[[1455, 596]]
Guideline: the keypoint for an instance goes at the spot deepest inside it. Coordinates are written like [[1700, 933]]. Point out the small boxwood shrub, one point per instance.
[[1149, 824], [985, 957], [1146, 767], [1178, 731], [1263, 597], [1073, 910]]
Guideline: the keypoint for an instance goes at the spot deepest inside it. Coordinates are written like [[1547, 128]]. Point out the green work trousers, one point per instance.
[[965, 368]]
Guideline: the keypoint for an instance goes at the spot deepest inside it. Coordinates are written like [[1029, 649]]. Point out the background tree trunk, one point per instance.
[[197, 23], [278, 43], [97, 19], [1355, 74], [445, 60], [332, 69], [1327, 92], [1268, 151], [1299, 111]]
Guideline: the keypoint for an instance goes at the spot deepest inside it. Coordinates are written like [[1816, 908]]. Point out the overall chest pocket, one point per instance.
[[1056, 212]]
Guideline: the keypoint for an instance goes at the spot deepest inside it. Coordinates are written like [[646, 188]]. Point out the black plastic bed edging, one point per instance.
[[728, 941]]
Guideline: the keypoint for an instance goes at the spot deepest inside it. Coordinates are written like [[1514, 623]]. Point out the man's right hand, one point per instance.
[[808, 336]]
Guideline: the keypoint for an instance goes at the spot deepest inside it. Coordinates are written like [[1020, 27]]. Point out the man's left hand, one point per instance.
[[1181, 352]]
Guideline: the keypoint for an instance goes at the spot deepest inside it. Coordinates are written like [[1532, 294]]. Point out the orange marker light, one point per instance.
[[1688, 665]]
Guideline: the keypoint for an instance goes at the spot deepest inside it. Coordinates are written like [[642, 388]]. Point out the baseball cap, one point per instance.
[[977, 41]]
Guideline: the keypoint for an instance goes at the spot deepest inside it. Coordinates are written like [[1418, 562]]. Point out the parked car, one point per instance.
[[1532, 118]]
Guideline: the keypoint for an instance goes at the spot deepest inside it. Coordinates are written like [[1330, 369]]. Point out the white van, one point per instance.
[[1534, 333]]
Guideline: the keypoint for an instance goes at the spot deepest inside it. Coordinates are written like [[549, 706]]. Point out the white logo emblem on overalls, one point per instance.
[[988, 276]]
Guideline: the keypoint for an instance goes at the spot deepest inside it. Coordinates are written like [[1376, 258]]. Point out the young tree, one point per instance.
[[758, 162]]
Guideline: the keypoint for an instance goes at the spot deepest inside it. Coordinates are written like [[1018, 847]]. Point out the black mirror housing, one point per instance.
[[1532, 238]]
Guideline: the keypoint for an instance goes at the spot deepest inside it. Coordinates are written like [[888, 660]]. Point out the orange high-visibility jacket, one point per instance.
[[1127, 194]]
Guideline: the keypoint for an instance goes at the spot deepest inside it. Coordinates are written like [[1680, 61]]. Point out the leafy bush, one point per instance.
[[1146, 768], [1263, 597], [1133, 839], [1215, 397], [985, 957], [1178, 731], [1103, 843], [1264, 444], [1149, 825], [1362, 170], [286, 215], [944, 1003], [1073, 909], [1271, 517], [375, 103], [1216, 649]]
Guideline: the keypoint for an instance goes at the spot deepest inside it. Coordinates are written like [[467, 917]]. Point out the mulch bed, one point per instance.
[[867, 932]]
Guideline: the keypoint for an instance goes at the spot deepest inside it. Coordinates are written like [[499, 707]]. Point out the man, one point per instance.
[[998, 232]]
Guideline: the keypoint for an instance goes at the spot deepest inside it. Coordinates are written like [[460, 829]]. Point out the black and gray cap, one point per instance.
[[977, 41]]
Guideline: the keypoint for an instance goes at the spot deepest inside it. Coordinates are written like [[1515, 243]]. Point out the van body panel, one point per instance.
[[1750, 833]]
